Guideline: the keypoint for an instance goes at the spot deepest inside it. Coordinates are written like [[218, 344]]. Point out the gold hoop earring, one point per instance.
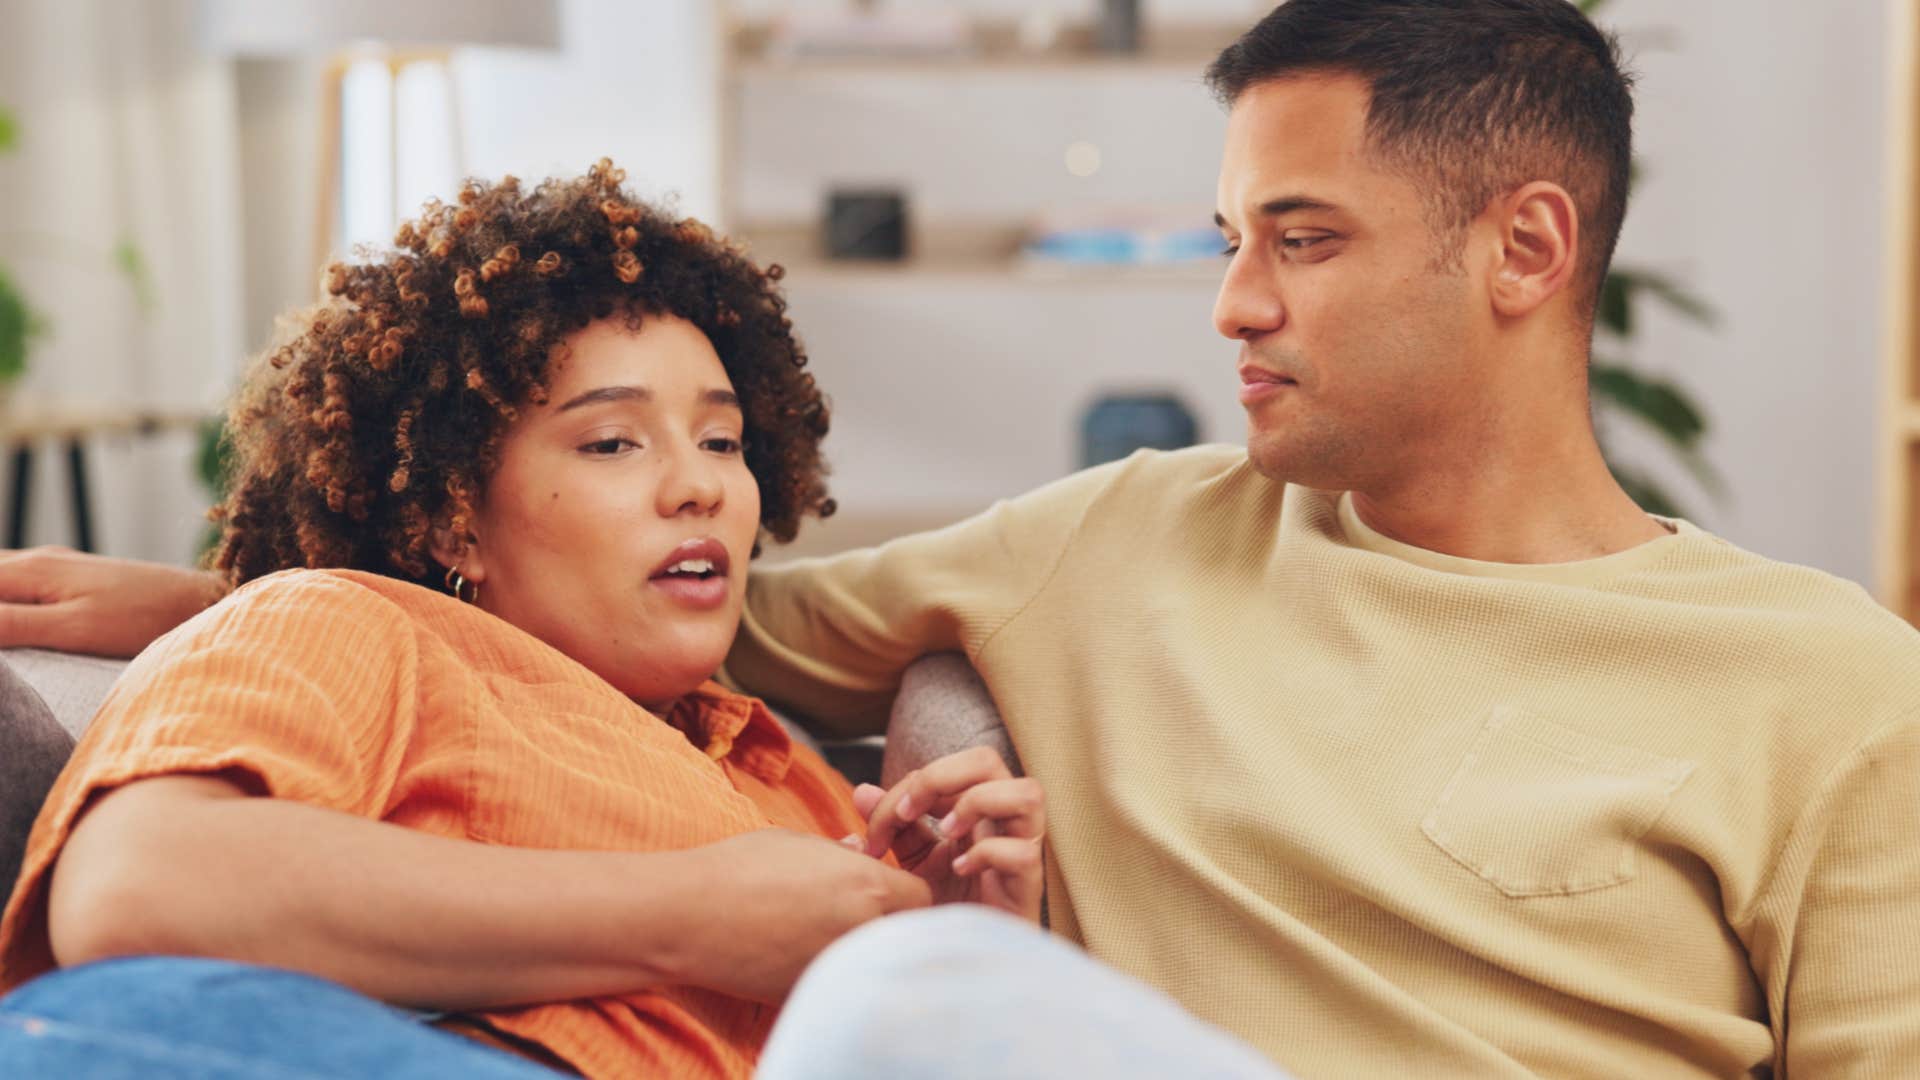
[[467, 592]]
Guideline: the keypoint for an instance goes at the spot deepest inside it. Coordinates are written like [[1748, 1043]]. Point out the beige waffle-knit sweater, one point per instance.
[[1385, 812]]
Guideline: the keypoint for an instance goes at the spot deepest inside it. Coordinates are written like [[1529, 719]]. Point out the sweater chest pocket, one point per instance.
[[1537, 809]]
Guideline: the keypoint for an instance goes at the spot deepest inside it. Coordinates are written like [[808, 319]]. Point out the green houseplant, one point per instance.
[[1618, 389], [20, 325]]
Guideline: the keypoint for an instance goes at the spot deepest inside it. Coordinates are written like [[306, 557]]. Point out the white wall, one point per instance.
[[632, 81], [1762, 128]]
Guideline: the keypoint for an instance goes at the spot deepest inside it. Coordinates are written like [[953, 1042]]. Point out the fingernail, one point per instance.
[[904, 808], [947, 823], [962, 864], [851, 840]]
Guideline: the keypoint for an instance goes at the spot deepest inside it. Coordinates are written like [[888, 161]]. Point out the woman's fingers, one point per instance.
[[1014, 856], [1017, 807], [930, 789], [1010, 872]]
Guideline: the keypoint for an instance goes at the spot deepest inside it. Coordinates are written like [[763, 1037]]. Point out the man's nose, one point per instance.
[[1249, 302]]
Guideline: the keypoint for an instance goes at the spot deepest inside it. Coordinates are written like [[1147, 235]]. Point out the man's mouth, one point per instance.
[[1258, 383]]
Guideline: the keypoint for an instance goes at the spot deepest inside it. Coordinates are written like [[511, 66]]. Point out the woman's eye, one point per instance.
[[722, 444], [610, 445], [1230, 250]]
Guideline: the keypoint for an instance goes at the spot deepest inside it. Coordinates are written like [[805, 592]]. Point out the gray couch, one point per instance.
[[47, 698]]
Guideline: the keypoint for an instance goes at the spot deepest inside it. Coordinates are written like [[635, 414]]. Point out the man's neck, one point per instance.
[[1555, 504]]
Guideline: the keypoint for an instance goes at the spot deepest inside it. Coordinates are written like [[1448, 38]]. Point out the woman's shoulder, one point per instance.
[[300, 603], [333, 588]]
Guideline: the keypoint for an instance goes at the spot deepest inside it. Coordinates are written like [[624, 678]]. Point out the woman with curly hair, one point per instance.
[[453, 743]]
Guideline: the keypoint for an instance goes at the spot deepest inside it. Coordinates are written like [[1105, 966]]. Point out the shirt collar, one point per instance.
[[733, 727]]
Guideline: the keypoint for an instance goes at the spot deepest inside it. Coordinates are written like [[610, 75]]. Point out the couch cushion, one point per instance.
[[33, 747], [72, 685]]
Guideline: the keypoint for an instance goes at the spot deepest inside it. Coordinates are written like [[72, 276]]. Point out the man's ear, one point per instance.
[[462, 553], [1539, 248]]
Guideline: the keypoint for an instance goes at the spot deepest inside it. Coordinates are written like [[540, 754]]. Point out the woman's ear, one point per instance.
[[459, 553], [1539, 248]]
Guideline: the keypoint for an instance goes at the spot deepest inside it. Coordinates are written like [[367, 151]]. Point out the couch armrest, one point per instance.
[[943, 707]]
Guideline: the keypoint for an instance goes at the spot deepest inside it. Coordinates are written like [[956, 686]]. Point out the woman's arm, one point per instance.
[[192, 865], [56, 598]]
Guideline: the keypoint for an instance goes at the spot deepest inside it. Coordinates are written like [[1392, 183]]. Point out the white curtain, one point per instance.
[[128, 135]]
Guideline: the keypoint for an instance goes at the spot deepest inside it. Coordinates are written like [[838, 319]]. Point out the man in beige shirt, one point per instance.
[[1402, 741]]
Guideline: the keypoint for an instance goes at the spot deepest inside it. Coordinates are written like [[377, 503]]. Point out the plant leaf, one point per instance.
[[1588, 7], [1666, 290], [9, 130], [1645, 491], [128, 260], [214, 462], [1658, 403], [18, 326], [1616, 304]]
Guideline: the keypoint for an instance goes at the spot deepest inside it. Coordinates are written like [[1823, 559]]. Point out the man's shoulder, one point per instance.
[[1164, 477], [1818, 625]]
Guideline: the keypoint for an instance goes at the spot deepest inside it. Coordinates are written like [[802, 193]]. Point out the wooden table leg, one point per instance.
[[17, 503], [77, 477]]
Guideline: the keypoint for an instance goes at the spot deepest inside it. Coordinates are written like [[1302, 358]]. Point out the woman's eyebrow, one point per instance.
[[640, 393]]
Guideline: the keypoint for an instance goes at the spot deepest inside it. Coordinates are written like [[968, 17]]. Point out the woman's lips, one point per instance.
[[701, 594], [704, 590]]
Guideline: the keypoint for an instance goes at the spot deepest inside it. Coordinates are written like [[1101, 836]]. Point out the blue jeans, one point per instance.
[[963, 992], [172, 1017], [956, 991]]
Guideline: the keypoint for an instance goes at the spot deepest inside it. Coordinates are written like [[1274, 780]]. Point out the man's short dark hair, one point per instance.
[[1470, 98]]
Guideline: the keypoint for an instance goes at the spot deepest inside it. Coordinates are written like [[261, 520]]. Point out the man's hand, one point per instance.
[[987, 846], [57, 598], [778, 899]]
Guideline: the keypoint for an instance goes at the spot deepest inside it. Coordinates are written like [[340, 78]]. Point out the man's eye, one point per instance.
[[723, 444], [1230, 250], [1300, 243]]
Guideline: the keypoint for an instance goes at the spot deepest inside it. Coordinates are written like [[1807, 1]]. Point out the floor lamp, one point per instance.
[[401, 32]]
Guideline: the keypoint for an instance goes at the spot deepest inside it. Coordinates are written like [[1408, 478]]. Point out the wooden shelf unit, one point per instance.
[[1900, 419], [948, 252], [995, 48], [984, 253]]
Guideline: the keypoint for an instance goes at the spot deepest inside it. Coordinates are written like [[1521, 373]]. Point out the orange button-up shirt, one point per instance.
[[378, 698]]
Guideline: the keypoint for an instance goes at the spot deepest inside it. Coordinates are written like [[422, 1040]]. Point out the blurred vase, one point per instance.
[[1119, 26], [1119, 424]]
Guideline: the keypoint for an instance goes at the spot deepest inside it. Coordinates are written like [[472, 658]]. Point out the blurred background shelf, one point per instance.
[[988, 252], [994, 46]]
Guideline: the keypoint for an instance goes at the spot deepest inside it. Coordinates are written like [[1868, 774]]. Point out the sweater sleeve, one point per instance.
[[828, 638], [1838, 938]]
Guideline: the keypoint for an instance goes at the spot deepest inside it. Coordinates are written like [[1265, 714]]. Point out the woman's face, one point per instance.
[[618, 525]]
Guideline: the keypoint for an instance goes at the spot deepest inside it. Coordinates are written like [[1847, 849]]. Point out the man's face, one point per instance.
[[1358, 344]]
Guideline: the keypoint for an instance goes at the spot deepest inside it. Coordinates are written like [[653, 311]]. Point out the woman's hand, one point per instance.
[[968, 827]]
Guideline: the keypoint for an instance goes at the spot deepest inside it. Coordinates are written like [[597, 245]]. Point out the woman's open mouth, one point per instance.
[[695, 574]]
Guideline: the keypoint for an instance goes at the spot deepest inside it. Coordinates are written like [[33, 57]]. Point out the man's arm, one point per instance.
[[192, 865], [55, 598], [1838, 947], [827, 639]]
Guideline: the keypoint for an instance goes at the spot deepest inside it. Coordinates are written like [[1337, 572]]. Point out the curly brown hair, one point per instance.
[[382, 418]]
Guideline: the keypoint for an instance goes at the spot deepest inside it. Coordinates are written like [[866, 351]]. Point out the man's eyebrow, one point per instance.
[[641, 393], [1277, 207]]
